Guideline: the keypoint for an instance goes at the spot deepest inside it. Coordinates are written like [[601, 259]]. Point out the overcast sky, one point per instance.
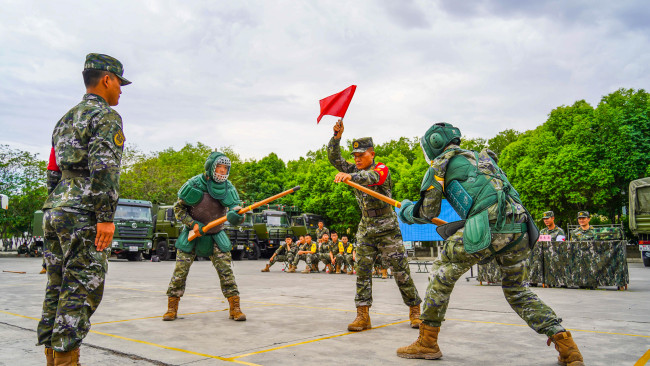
[[249, 74]]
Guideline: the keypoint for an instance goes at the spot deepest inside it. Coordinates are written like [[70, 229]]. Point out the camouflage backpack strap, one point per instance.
[[190, 192]]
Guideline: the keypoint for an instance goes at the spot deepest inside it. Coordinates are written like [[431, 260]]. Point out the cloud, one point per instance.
[[250, 74]]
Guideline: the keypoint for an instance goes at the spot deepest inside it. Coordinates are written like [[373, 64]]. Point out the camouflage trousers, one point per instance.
[[392, 251], [325, 258], [282, 258], [221, 261], [455, 261], [344, 259], [75, 277], [308, 258]]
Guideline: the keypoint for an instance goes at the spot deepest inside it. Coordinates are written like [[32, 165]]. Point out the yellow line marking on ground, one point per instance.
[[312, 341], [173, 348], [643, 360], [18, 315]]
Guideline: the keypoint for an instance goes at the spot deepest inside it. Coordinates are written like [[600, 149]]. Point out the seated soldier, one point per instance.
[[338, 253], [349, 255], [381, 269], [294, 249], [283, 253], [308, 253], [324, 252], [585, 232]]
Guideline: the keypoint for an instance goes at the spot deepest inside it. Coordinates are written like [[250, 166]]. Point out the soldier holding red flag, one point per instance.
[[378, 230]]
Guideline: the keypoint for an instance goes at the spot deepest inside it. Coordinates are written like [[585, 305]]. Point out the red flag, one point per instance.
[[336, 104], [52, 163]]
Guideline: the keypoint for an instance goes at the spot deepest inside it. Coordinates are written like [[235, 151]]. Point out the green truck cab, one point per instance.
[[305, 223], [133, 229], [639, 205], [243, 239], [271, 228], [166, 233]]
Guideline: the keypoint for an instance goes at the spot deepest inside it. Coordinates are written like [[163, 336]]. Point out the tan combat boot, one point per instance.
[[384, 274], [331, 268], [43, 271], [414, 316], [351, 271], [569, 353], [172, 308], [49, 356], [338, 269], [314, 267], [362, 321], [306, 270], [70, 358], [292, 269], [426, 346], [267, 268], [344, 269], [235, 311]]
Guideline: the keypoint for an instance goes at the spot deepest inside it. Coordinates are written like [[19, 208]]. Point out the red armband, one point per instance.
[[52, 164], [382, 170]]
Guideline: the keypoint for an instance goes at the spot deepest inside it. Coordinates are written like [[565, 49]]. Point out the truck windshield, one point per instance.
[[137, 213], [276, 220]]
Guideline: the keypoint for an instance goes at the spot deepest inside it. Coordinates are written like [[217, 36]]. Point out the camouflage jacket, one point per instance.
[[582, 235], [320, 232], [310, 247], [334, 247], [88, 142], [432, 199], [553, 233], [374, 178]]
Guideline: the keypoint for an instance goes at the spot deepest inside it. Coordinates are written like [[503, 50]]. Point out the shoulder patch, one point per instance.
[[119, 138], [383, 171]]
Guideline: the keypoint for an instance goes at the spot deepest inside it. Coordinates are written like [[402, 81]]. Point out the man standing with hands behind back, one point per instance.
[[78, 219], [378, 230]]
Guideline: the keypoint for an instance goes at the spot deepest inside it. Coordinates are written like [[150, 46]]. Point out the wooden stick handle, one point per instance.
[[388, 200], [193, 235]]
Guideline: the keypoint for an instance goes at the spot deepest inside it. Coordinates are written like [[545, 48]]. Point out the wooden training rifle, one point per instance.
[[390, 201], [193, 234]]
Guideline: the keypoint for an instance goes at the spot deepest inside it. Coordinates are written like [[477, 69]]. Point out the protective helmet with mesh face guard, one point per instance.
[[217, 158], [436, 138]]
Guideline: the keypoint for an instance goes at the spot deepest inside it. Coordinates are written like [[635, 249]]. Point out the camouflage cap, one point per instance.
[[97, 61], [548, 215], [583, 214], [362, 144]]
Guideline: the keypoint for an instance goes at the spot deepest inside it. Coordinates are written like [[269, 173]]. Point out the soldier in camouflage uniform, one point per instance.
[[338, 253], [378, 230], [284, 253], [349, 254], [551, 229], [496, 225], [78, 213], [325, 252], [321, 230], [585, 232], [201, 200], [307, 252]]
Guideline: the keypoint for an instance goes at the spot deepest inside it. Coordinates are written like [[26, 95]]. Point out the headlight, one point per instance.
[[115, 244], [149, 245]]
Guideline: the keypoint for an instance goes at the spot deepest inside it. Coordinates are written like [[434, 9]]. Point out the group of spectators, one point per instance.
[[336, 253], [584, 232]]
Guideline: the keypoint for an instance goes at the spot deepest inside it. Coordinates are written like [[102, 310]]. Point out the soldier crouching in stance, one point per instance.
[[496, 225], [202, 199], [378, 230]]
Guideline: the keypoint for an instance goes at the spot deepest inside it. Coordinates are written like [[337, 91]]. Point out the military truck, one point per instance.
[[133, 229], [639, 205], [36, 247], [243, 239], [165, 233], [305, 223]]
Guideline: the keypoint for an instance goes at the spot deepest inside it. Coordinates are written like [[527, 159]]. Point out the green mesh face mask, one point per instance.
[[221, 160]]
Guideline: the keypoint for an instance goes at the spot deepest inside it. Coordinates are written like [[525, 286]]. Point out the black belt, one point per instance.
[[375, 213], [67, 174]]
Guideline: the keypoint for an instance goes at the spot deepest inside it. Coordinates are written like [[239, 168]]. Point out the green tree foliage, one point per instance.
[[22, 178], [583, 158]]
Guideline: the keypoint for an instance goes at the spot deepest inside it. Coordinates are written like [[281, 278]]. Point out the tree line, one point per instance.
[[581, 158]]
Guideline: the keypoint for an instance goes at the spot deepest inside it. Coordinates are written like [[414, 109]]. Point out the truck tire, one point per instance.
[[237, 255], [162, 250], [646, 258], [133, 257], [253, 251]]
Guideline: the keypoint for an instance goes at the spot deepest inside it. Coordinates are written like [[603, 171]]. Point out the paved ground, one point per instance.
[[301, 319]]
